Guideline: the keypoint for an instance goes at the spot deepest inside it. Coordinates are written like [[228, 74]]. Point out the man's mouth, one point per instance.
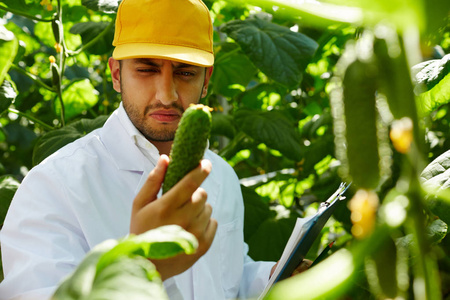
[[165, 116]]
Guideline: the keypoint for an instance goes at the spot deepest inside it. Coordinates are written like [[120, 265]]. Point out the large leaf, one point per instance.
[[77, 98], [120, 269], [261, 96], [106, 6], [431, 72], [269, 240], [222, 124], [91, 30], [280, 53], [271, 128], [231, 68], [437, 96], [8, 187], [316, 151], [165, 242], [256, 212], [8, 50], [436, 178], [129, 278], [7, 95], [54, 140]]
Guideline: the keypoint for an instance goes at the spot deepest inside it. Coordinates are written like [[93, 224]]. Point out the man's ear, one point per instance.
[[208, 74], [114, 66]]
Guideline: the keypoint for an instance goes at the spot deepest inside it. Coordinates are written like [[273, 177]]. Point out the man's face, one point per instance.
[[156, 92]]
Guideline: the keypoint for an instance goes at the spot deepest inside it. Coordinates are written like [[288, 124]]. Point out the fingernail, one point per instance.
[[206, 164]]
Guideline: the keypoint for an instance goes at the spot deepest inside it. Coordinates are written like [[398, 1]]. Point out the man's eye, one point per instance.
[[147, 70], [185, 73]]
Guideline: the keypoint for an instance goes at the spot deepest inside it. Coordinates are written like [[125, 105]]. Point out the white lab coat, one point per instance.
[[82, 195]]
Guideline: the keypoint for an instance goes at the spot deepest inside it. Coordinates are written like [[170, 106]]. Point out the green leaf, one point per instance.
[[268, 242], [79, 283], [256, 212], [128, 278], [316, 151], [436, 14], [8, 50], [29, 7], [436, 179], [164, 242], [26, 40], [260, 96], [118, 270], [231, 67], [277, 51], [91, 30], [8, 187], [437, 96], [54, 140], [272, 128], [7, 95], [44, 33], [437, 230], [315, 13], [78, 97], [222, 124], [106, 6], [431, 72]]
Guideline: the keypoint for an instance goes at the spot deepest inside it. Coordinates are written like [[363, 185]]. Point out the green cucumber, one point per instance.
[[359, 87], [189, 144]]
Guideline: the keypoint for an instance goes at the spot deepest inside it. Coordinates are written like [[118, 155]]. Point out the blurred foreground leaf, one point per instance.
[[120, 269]]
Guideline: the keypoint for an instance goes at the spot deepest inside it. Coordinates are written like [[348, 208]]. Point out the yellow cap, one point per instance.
[[179, 30]]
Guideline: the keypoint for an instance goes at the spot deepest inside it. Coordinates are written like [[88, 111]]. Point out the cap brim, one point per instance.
[[176, 53]]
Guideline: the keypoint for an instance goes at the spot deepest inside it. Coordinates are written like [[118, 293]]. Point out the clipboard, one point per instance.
[[304, 234]]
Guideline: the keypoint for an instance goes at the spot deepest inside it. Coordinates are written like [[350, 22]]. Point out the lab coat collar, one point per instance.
[[121, 146]]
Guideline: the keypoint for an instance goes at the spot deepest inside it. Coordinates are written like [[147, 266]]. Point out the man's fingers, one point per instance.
[[200, 222], [208, 237], [152, 185], [180, 193], [302, 267]]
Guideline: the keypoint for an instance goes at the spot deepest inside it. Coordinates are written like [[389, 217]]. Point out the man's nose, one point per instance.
[[166, 89]]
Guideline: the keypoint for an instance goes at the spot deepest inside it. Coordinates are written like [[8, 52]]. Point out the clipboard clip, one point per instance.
[[337, 195]]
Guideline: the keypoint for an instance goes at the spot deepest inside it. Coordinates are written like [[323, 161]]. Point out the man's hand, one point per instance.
[[303, 266], [184, 205]]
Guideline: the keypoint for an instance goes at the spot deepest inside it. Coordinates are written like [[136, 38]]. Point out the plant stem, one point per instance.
[[33, 77], [228, 54], [21, 13], [93, 41], [31, 118], [62, 63]]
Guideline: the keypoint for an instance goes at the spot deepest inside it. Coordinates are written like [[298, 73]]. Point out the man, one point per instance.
[[106, 184]]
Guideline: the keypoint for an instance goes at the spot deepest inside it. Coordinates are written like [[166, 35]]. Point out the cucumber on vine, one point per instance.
[[189, 144]]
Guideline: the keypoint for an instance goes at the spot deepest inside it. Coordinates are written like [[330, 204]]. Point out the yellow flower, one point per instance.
[[363, 207], [401, 134], [52, 59], [58, 48]]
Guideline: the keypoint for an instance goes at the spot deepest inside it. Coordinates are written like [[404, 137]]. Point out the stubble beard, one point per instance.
[[139, 118]]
